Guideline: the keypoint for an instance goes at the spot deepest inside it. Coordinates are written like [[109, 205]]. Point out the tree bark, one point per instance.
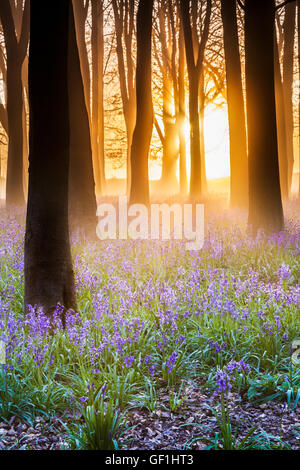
[[265, 205], [124, 29], [101, 134], [82, 198], [49, 278], [235, 104], [288, 77], [170, 146], [202, 135], [80, 12], [25, 124], [183, 181], [139, 192], [14, 181], [16, 49], [194, 57], [281, 126], [97, 84]]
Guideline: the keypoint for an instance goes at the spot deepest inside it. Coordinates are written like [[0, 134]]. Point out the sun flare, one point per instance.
[[216, 140]]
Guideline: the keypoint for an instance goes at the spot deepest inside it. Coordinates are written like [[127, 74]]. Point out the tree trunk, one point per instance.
[[202, 135], [124, 15], [80, 13], [194, 56], [181, 117], [196, 183], [14, 182], [95, 93], [288, 77], [16, 35], [281, 126], [265, 205], [170, 145], [25, 147], [130, 121], [25, 125], [101, 137], [139, 192], [49, 276], [236, 110], [82, 199]]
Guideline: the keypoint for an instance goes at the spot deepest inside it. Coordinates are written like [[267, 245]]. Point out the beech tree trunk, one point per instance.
[[182, 116], [265, 205], [288, 78], [196, 184], [16, 48], [139, 192], [49, 278], [14, 181], [97, 95], [82, 198], [170, 145], [101, 134], [235, 103], [124, 28], [202, 135], [80, 8], [281, 126], [194, 57]]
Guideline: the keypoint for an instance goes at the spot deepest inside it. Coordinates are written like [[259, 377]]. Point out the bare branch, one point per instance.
[[241, 4], [281, 5]]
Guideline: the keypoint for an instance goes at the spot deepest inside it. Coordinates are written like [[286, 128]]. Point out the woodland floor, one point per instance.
[[163, 430]]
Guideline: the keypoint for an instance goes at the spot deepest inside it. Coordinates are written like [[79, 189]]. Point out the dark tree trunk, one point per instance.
[[96, 84], [130, 121], [16, 48], [25, 124], [196, 188], [236, 111], [170, 145], [49, 278], [14, 182], [202, 135], [82, 198], [288, 77], [281, 126], [139, 192], [101, 134], [170, 158], [194, 57], [124, 15], [265, 205], [181, 116], [25, 147], [80, 12]]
